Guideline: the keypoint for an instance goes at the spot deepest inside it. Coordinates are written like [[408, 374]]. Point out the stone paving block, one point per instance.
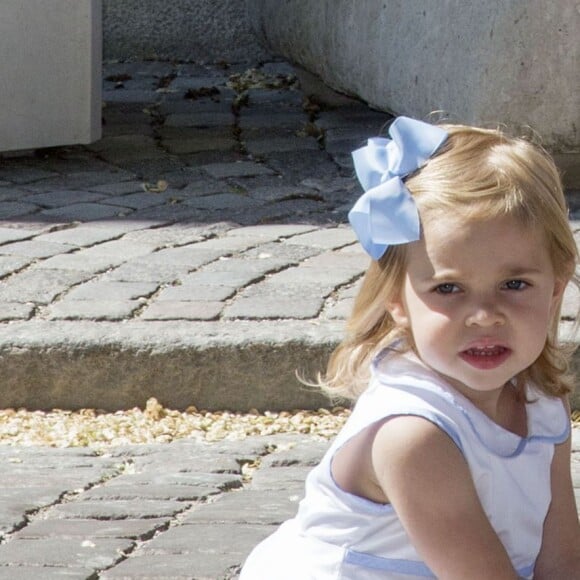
[[12, 515], [220, 201], [196, 293], [35, 249], [275, 118], [229, 280], [8, 235], [291, 254], [93, 553], [249, 506], [176, 310], [92, 309], [273, 307], [23, 173], [39, 286], [199, 144], [54, 199], [277, 193], [142, 529], [138, 200], [279, 144], [240, 169], [326, 238], [202, 120], [83, 180], [180, 493], [270, 478], [80, 263], [271, 232], [125, 148], [119, 188], [80, 236], [184, 566], [124, 249], [118, 510], [197, 551], [193, 256], [170, 236], [36, 497], [84, 212], [106, 291], [10, 209], [163, 473], [47, 573], [11, 264], [15, 311], [147, 271]]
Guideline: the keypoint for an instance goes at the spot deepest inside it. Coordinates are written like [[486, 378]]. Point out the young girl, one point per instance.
[[455, 463]]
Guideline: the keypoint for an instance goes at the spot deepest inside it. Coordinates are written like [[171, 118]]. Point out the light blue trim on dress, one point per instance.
[[405, 567]]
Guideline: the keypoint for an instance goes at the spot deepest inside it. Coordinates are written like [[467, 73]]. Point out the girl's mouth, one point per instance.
[[485, 357]]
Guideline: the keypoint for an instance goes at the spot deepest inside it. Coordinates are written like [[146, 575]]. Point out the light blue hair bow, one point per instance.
[[386, 213]]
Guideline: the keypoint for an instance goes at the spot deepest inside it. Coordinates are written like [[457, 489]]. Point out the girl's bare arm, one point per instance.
[[428, 482], [560, 553]]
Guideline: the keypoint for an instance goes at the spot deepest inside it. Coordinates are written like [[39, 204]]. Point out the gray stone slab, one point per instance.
[[54, 199], [182, 310], [241, 169], [15, 311], [203, 538], [47, 573], [118, 510], [8, 235], [92, 309], [73, 552], [84, 212], [106, 291], [35, 249], [79, 264], [138, 200], [180, 493], [141, 529], [270, 479], [197, 293], [80, 236], [163, 473], [83, 180], [11, 264], [147, 271], [273, 307], [262, 506], [10, 209], [39, 286], [220, 201]]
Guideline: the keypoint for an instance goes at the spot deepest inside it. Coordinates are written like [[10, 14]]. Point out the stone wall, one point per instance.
[[198, 30], [481, 62]]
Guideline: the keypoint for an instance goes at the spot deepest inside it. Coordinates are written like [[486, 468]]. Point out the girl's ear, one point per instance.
[[398, 312]]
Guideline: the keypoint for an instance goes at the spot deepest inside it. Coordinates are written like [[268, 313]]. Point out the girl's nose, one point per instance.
[[485, 315]]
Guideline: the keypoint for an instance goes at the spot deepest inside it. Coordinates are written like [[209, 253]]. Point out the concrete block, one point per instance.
[[50, 81], [191, 30], [484, 62]]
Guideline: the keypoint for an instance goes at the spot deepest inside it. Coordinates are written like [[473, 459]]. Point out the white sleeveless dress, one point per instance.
[[337, 535]]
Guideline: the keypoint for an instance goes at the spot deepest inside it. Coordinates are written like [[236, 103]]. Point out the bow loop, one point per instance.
[[386, 213]]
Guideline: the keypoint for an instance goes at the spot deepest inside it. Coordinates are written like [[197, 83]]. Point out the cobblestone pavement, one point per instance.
[[212, 210], [206, 226], [183, 510]]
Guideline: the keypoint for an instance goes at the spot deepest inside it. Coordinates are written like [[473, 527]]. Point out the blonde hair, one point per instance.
[[478, 174]]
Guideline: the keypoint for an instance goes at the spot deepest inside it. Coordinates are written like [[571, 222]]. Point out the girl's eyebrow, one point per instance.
[[508, 272]]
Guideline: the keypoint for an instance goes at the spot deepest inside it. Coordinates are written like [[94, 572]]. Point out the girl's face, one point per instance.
[[478, 299]]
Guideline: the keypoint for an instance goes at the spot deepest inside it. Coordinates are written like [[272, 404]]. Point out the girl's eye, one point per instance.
[[446, 288], [516, 285]]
